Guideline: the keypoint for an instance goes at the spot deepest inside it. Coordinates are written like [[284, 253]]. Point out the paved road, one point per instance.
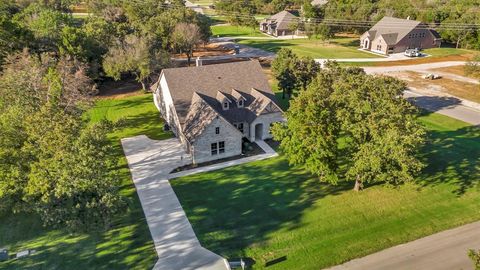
[[446, 250], [442, 103], [176, 244], [449, 106]]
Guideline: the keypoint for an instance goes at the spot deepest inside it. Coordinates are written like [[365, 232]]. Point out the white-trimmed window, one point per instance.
[[217, 148], [221, 147], [240, 103], [217, 130], [225, 105], [214, 149]]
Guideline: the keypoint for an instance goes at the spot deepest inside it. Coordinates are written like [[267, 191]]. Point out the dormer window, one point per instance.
[[225, 105], [240, 103]]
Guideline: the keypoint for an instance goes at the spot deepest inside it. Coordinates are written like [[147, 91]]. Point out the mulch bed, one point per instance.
[[255, 150]]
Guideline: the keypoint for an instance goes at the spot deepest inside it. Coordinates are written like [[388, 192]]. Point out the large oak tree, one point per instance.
[[352, 126]]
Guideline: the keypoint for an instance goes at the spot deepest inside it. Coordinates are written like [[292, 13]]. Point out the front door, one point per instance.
[[259, 131]]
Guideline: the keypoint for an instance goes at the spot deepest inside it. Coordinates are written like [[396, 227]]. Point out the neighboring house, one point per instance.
[[212, 108], [319, 3], [279, 24], [393, 35], [194, 7]]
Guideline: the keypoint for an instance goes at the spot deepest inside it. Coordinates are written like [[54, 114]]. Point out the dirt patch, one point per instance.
[[468, 91], [119, 89], [207, 50], [456, 70]]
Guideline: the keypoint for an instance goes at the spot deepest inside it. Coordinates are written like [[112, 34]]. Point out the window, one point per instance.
[[221, 147], [240, 127], [240, 103], [214, 149], [217, 130], [225, 105]]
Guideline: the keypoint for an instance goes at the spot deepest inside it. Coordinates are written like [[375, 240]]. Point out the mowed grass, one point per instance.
[[235, 31], [335, 49], [128, 245], [268, 210]]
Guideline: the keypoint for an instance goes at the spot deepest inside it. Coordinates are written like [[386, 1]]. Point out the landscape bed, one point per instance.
[[128, 245], [268, 210]]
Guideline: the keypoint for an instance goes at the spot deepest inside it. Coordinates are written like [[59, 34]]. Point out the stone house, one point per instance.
[[394, 35], [212, 108], [279, 24]]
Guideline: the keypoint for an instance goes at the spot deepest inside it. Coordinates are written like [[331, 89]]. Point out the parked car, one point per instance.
[[431, 76], [412, 53]]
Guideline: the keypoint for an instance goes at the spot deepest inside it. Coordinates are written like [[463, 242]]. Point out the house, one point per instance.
[[194, 7], [319, 3], [279, 24], [213, 108], [393, 35]]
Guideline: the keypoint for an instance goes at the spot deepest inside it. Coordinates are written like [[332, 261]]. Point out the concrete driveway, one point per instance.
[[176, 244], [446, 250]]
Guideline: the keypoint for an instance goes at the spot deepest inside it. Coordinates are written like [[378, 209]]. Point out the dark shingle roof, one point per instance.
[[209, 80], [388, 26], [192, 88], [283, 19]]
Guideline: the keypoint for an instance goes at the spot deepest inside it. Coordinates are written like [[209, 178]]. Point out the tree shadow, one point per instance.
[[238, 206], [127, 245], [434, 103], [452, 157]]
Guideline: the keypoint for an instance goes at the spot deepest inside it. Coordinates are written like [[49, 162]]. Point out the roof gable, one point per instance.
[[392, 29], [208, 80]]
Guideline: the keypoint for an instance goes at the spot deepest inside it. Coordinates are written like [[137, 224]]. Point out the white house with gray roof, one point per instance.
[[212, 108]]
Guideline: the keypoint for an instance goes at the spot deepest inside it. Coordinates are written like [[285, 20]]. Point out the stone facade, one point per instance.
[[264, 121], [201, 148]]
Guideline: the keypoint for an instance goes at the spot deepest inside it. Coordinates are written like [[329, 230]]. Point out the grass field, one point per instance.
[[128, 245], [335, 49], [235, 31], [268, 210]]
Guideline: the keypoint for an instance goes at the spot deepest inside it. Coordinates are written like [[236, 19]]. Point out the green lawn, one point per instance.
[[267, 210], [439, 52], [335, 49], [235, 31], [128, 245]]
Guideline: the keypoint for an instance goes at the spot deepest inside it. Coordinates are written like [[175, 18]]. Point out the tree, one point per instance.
[[45, 24], [473, 67], [348, 118], [283, 69], [323, 32], [305, 70], [293, 27], [71, 182], [475, 256], [135, 55], [186, 37], [51, 162]]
